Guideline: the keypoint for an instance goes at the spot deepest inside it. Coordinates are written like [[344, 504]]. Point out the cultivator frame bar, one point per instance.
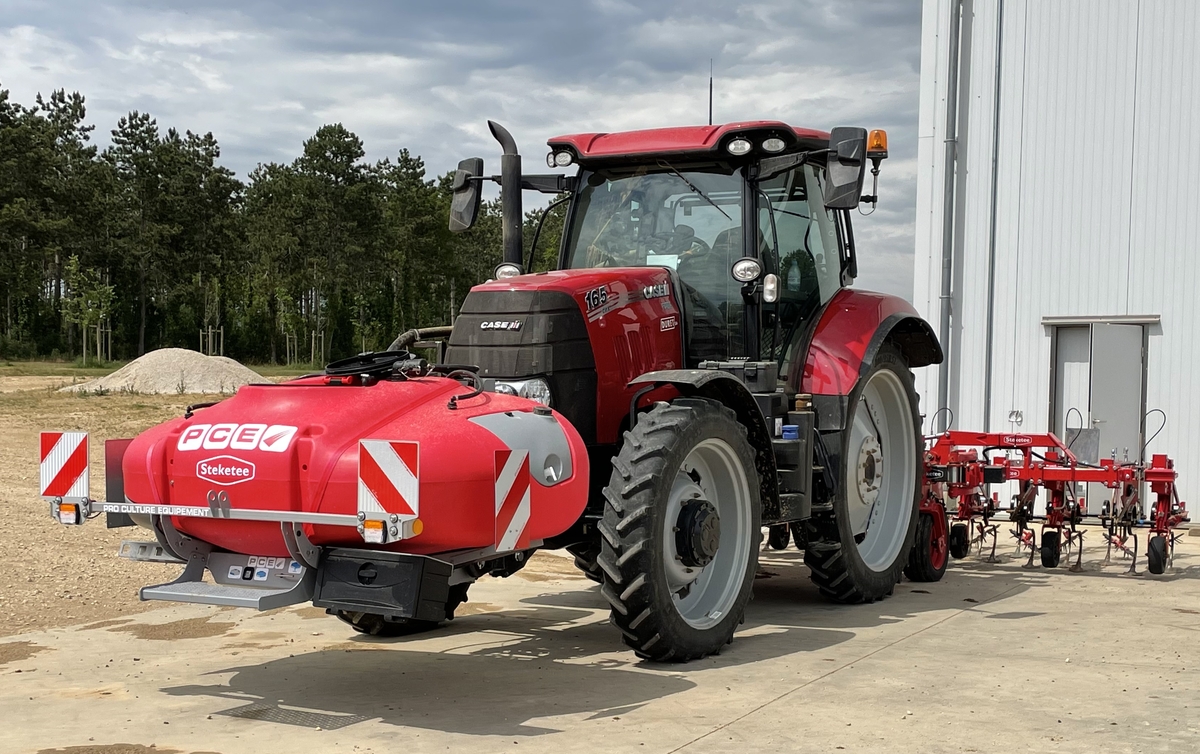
[[959, 466]]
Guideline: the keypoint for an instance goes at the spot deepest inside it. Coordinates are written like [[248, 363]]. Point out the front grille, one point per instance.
[[551, 342]]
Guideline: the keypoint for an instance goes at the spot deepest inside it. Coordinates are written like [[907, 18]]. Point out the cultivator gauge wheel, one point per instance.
[[960, 541], [857, 550], [928, 558], [681, 530], [1051, 553], [1156, 555]]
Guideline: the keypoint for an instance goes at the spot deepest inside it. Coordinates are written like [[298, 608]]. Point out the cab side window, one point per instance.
[[799, 240]]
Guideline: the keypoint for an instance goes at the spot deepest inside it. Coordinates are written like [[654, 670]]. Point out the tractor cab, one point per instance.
[[751, 219], [693, 221]]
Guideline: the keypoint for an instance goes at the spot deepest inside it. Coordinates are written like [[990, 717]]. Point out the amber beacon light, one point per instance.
[[877, 144]]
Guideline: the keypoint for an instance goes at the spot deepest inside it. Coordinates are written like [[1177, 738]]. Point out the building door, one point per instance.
[[1099, 369]]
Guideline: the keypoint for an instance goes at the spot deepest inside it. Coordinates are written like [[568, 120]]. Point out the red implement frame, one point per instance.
[[958, 466]]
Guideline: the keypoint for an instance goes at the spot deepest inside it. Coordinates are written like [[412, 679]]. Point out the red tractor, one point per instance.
[[700, 336], [696, 369]]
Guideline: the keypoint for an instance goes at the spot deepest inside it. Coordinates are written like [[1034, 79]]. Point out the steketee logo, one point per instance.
[[225, 470]]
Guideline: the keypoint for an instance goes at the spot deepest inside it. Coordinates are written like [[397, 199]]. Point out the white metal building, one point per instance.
[[1058, 214]]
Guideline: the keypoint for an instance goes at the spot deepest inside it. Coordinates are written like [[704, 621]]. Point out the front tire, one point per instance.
[[681, 531], [859, 545]]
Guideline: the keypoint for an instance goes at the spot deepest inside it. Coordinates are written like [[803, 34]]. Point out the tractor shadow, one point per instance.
[[554, 654]]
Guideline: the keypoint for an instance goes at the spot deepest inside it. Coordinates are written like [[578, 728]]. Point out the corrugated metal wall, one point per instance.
[[1095, 207]]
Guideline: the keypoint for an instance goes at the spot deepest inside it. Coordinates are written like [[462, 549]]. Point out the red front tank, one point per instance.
[[295, 447]]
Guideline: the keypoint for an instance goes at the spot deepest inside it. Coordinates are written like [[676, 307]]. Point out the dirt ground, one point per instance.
[[52, 575]]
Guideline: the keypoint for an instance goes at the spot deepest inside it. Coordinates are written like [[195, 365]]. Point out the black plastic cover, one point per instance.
[[393, 584]]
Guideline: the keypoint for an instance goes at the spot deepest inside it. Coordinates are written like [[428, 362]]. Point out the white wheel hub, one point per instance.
[[870, 470]]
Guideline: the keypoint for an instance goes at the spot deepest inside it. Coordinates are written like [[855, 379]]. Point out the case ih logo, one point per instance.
[[225, 470], [1017, 440], [511, 325], [274, 438], [655, 291]]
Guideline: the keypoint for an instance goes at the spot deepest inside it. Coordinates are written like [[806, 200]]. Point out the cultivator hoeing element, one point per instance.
[[959, 466]]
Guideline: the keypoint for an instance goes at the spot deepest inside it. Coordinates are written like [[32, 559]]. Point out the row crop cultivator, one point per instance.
[[959, 466]]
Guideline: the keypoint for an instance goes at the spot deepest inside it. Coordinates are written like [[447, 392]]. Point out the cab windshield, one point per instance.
[[689, 220]]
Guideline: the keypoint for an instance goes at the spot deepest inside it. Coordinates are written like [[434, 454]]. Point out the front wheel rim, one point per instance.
[[711, 472], [881, 470]]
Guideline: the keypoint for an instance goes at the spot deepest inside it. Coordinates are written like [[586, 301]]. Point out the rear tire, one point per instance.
[[1050, 551], [960, 541], [858, 548], [681, 531], [928, 558], [1156, 555]]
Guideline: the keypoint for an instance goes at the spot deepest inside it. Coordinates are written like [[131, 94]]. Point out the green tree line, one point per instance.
[[150, 241]]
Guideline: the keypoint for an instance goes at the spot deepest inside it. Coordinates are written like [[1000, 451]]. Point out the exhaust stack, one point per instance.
[[510, 195]]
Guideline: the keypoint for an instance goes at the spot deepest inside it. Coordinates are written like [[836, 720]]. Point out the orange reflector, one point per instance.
[[373, 532], [418, 526], [68, 513], [877, 142]]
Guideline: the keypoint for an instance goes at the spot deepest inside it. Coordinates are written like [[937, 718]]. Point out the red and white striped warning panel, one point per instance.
[[64, 465], [388, 479], [512, 499]]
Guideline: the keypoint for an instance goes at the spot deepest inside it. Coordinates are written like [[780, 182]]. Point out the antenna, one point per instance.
[[710, 77]]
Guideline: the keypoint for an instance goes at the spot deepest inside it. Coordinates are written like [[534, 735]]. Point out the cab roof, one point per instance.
[[684, 140]]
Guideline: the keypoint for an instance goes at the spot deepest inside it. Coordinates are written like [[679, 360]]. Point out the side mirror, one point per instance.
[[846, 168], [464, 207]]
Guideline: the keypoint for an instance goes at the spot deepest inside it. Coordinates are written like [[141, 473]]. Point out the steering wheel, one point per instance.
[[370, 364]]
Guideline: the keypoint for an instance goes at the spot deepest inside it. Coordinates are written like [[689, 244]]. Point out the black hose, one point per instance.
[[949, 422], [1161, 427], [452, 404], [1067, 425], [408, 337]]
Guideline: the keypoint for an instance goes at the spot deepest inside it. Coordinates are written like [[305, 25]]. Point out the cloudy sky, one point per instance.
[[426, 75]]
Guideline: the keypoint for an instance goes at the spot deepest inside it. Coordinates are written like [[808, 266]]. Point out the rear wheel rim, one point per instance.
[[881, 468], [712, 471]]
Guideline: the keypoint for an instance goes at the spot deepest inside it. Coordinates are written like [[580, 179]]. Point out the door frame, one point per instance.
[[1053, 323]]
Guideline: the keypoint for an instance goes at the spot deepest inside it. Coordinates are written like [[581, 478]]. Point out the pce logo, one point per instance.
[[1016, 440], [273, 439], [225, 470]]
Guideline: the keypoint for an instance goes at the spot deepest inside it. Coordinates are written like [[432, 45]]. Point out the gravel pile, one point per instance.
[[173, 370]]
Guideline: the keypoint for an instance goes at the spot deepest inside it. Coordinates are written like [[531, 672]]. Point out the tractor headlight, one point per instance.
[[506, 270], [535, 389], [739, 147]]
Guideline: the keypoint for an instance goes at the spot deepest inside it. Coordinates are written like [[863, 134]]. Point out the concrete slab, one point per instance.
[[994, 657]]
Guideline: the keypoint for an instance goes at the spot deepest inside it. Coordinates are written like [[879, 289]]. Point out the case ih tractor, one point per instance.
[[695, 370]]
